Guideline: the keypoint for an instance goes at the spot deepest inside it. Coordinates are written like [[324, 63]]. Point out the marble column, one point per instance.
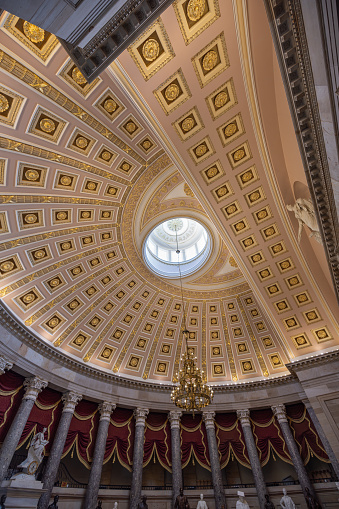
[[70, 400], [140, 415], [33, 386], [244, 417], [4, 365], [280, 413], [219, 493], [174, 418], [332, 457], [105, 409]]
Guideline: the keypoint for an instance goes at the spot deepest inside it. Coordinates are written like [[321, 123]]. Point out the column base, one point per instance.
[[22, 493]]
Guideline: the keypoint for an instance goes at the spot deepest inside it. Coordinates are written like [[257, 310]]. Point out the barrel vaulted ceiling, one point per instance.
[[190, 121]]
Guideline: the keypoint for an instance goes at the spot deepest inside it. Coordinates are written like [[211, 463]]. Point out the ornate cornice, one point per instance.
[[310, 362], [292, 50]]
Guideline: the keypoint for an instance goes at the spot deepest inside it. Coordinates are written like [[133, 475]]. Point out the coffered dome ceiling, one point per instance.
[[190, 122]]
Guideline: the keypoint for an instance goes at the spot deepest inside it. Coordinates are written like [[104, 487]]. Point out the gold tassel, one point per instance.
[[154, 457], [193, 463], [232, 456], [73, 447], [113, 457], [274, 456], [311, 453]]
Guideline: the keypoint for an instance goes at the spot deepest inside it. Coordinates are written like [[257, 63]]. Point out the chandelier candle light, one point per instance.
[[191, 393]]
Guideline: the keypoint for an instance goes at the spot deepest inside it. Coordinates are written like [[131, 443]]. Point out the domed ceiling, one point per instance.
[[174, 129]]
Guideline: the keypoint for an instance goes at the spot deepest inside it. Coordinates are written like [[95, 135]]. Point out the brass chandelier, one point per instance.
[[191, 392]]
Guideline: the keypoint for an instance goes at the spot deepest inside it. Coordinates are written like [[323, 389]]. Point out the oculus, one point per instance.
[[160, 246]]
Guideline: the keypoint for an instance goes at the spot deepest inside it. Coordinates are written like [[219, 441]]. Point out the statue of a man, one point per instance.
[[55, 503], [268, 503], [202, 504], [181, 502], [2, 502], [115, 505], [241, 503], [99, 506], [305, 214], [143, 503], [35, 453], [286, 502]]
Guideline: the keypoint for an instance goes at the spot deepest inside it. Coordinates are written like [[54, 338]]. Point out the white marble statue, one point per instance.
[[304, 212], [202, 504], [35, 453], [286, 502], [241, 503], [115, 505]]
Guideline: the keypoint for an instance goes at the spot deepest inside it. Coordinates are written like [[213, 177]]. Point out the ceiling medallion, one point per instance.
[[78, 77], [191, 392], [150, 50], [47, 125], [4, 104], [31, 218], [230, 129], [31, 175], [81, 142], [110, 105], [210, 60], [7, 266], [239, 154], [221, 99], [33, 33], [130, 127], [196, 9], [201, 150], [172, 92], [187, 124]]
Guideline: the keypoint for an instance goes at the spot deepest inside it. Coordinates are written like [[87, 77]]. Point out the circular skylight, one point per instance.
[[161, 245]]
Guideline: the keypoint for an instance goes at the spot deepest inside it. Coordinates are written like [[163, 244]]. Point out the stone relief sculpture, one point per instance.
[[304, 212], [202, 504], [241, 503], [286, 502], [35, 453]]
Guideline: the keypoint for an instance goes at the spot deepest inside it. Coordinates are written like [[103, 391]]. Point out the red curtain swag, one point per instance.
[[158, 440], [305, 433], [230, 440], [194, 441], [120, 438], [268, 437], [11, 392]]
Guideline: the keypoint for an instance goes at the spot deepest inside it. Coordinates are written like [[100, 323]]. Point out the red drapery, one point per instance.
[[305, 434], [11, 392], [82, 432], [45, 413], [230, 439], [268, 436], [120, 438], [158, 440], [194, 441]]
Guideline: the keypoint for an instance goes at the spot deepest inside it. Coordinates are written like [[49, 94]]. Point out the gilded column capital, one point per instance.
[[4, 365], [140, 415], [105, 409], [174, 418], [280, 412], [208, 417], [70, 400], [33, 386], [244, 417]]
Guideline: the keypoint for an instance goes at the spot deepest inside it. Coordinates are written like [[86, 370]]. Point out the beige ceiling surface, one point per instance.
[[88, 170]]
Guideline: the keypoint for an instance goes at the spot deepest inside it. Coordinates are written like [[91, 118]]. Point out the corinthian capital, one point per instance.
[[70, 400], [208, 416], [105, 409], [33, 386], [280, 412], [140, 415], [4, 365], [244, 417], [174, 418]]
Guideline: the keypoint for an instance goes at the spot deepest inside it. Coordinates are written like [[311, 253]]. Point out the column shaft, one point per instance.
[[138, 456], [32, 386], [323, 438], [280, 413], [219, 493], [70, 400], [259, 481], [174, 417], [93, 486]]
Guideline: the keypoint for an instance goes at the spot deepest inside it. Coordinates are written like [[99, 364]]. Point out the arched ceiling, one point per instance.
[[191, 121]]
